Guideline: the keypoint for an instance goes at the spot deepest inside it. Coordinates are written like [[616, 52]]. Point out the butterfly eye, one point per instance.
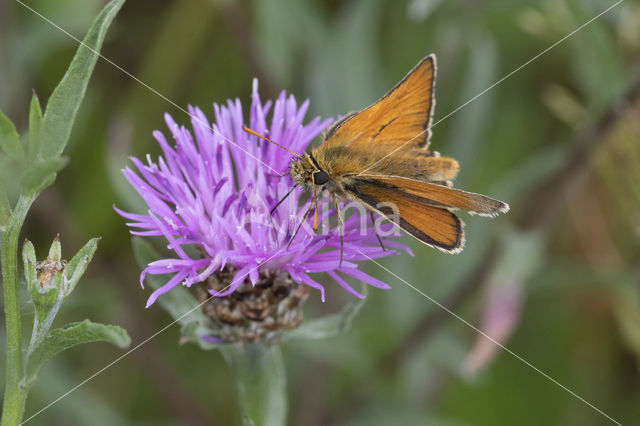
[[320, 177]]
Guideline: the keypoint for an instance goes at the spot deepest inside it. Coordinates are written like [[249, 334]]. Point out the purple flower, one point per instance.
[[211, 197]]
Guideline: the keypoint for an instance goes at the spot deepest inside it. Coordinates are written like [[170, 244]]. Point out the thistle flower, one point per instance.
[[210, 197]]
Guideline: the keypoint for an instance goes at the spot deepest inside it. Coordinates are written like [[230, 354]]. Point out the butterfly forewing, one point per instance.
[[431, 224], [443, 196], [402, 116]]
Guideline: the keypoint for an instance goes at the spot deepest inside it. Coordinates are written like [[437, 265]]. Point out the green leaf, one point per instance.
[[593, 59], [179, 302], [10, 175], [472, 122], [71, 335], [399, 413], [66, 98], [260, 382], [522, 255], [79, 263], [55, 251], [627, 312], [89, 407], [9, 139], [35, 126], [330, 325], [194, 332], [42, 174], [29, 261], [5, 211]]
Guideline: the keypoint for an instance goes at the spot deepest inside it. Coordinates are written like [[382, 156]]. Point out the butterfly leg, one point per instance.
[[339, 213], [315, 210], [273, 225], [373, 222], [282, 199], [304, 218]]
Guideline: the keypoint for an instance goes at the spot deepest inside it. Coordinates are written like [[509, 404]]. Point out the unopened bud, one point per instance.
[[50, 274]]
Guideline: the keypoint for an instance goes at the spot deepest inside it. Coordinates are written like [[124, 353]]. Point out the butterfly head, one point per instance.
[[306, 171]]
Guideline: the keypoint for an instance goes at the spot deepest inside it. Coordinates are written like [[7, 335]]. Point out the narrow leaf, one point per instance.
[[194, 332], [9, 138], [627, 311], [79, 264], [523, 255], [66, 98], [10, 175], [260, 382], [5, 211], [42, 174], [330, 325], [55, 251], [35, 126], [71, 335], [29, 262]]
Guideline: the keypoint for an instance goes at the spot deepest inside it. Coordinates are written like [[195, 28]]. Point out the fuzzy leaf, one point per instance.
[[194, 332], [9, 139], [10, 175], [260, 382], [55, 251], [627, 312], [71, 335], [42, 174], [330, 325], [523, 253], [35, 126], [65, 100], [29, 259], [79, 263], [5, 211], [30, 274]]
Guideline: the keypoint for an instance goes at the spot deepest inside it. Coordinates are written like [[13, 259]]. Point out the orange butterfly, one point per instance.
[[380, 156]]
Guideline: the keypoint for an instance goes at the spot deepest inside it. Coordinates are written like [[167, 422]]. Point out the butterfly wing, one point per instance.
[[433, 225], [402, 116], [439, 195]]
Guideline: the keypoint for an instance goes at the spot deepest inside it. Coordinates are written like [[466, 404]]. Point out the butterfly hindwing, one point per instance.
[[431, 224]]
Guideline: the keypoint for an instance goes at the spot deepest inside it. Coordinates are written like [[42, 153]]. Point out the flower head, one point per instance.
[[211, 197]]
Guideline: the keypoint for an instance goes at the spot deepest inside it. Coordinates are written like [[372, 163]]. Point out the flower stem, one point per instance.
[[14, 394], [260, 382]]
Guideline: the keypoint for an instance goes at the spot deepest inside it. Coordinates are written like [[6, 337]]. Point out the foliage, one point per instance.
[[52, 280], [579, 307]]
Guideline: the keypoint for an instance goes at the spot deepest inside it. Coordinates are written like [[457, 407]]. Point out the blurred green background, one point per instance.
[[556, 280]]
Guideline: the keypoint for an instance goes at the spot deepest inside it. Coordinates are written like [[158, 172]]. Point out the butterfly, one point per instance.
[[379, 157]]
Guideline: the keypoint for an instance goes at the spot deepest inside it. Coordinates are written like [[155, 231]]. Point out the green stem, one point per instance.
[[260, 383], [14, 394]]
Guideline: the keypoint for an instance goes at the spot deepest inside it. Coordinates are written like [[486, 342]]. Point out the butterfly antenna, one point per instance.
[[254, 133]]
